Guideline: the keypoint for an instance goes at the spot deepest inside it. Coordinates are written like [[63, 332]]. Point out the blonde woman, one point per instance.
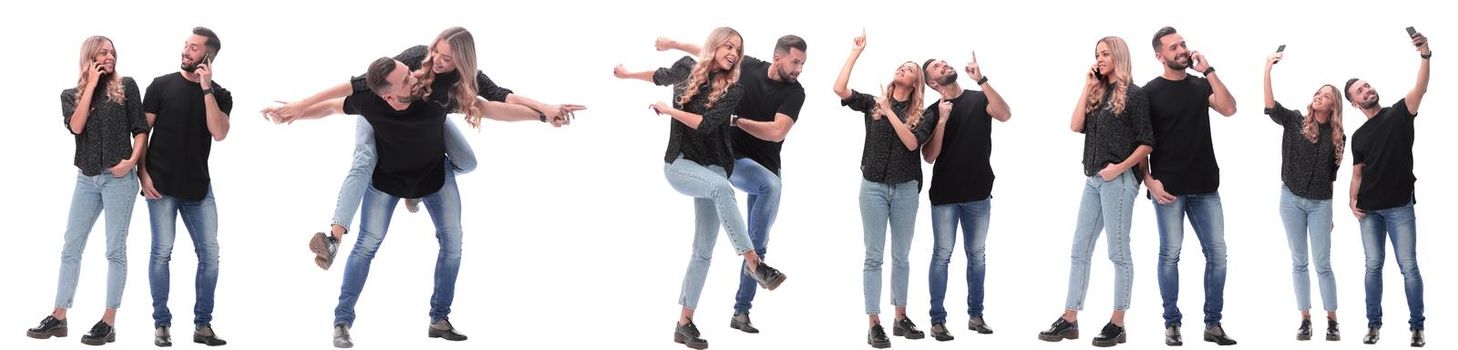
[[1311, 153], [104, 114], [1113, 117], [891, 183], [699, 162]]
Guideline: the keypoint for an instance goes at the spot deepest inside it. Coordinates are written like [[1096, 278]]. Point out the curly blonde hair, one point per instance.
[[1122, 79], [1309, 127], [113, 82], [463, 50], [700, 75]]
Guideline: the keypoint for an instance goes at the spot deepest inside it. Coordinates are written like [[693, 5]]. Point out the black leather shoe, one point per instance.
[[904, 328], [1061, 329], [49, 327], [1216, 334], [1304, 332], [341, 337], [205, 335], [979, 325], [100, 334], [767, 277], [877, 337], [1111, 335], [1332, 333], [162, 337], [1172, 336], [1373, 334], [688, 335], [742, 323], [1417, 339], [941, 333], [444, 330]]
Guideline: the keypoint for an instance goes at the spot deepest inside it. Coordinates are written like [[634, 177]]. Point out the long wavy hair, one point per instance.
[[1120, 51], [914, 99], [700, 75], [113, 82], [463, 50], [1309, 127]]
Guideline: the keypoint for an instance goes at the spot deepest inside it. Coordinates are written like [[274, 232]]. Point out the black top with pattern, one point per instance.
[[884, 157], [110, 126], [1110, 138], [709, 144], [1307, 168]]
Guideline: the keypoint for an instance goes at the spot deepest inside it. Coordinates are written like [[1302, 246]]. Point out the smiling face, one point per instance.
[[1363, 95], [1325, 99], [939, 73], [726, 54], [1173, 52], [105, 54], [1104, 56], [790, 64], [194, 50], [444, 61]]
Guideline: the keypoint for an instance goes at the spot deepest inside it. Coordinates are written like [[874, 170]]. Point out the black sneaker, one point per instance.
[[904, 328], [100, 334], [1332, 333], [1061, 329], [324, 247], [767, 277], [1172, 335], [1304, 332], [49, 327], [979, 325], [1111, 335], [741, 322], [1373, 334], [444, 330], [1216, 334], [341, 337], [1417, 338], [205, 335], [688, 335], [877, 337], [162, 337], [941, 333]]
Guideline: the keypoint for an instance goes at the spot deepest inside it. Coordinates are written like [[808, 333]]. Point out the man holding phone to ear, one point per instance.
[[1184, 179], [1382, 192], [187, 112]]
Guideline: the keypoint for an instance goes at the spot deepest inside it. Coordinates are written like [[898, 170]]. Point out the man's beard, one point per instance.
[[1176, 65], [1373, 103], [947, 79], [785, 75]]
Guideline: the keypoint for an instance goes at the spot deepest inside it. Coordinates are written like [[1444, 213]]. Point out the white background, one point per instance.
[[573, 239]]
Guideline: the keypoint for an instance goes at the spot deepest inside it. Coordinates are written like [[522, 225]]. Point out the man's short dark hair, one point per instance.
[[788, 42], [214, 45], [926, 74], [379, 71], [1163, 32], [1348, 89]]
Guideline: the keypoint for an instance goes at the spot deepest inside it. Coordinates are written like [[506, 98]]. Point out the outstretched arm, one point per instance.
[[664, 44], [1415, 97], [842, 82]]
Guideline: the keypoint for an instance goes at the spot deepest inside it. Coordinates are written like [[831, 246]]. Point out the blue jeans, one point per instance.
[[1305, 218], [974, 217], [1400, 225], [1107, 206], [93, 194], [201, 219], [882, 203], [763, 189], [445, 211], [351, 192], [714, 205], [1208, 219]]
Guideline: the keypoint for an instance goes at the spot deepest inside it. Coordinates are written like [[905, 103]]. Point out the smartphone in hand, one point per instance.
[[1411, 32], [1282, 48]]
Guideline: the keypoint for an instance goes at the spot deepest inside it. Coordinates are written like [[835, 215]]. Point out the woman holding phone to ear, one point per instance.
[[1311, 153], [104, 114], [890, 184], [1113, 116]]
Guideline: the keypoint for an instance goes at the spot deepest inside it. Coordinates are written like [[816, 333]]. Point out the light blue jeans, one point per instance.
[[1208, 218], [762, 187], [363, 167], [974, 217], [445, 211], [94, 194], [881, 204], [201, 219], [1400, 225], [1106, 206], [714, 206], [1308, 218]]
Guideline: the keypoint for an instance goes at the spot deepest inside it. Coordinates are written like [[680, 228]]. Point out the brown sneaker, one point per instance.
[[324, 247]]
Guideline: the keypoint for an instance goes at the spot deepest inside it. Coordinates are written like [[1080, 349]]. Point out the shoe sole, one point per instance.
[[1303, 337], [110, 338], [206, 341], [943, 337], [1212, 340], [908, 335], [1058, 337], [743, 327], [1107, 343], [980, 330], [446, 336], [879, 346], [775, 282], [345, 345], [319, 245], [59, 333], [1333, 338], [162, 344], [679, 338]]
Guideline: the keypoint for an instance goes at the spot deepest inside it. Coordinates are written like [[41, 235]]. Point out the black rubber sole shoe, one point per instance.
[[109, 338], [47, 334], [1104, 343]]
